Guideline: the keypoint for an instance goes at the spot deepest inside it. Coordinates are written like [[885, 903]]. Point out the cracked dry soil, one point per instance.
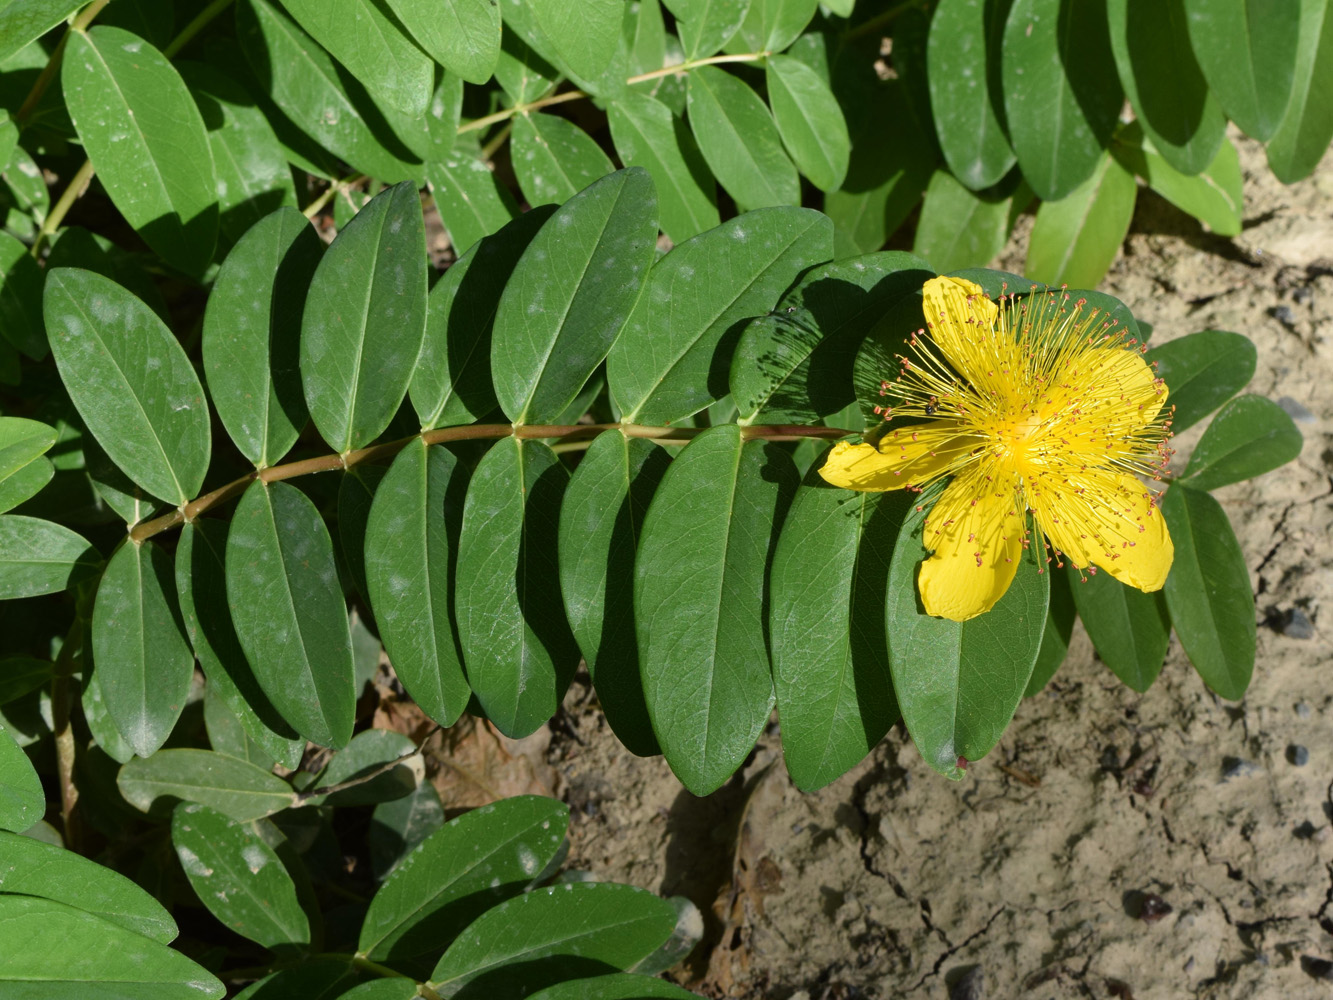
[[1113, 845]]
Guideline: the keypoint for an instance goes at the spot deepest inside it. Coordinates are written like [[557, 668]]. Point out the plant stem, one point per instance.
[[882, 20], [201, 20], [73, 191], [472, 432], [62, 704], [311, 210], [48, 72]]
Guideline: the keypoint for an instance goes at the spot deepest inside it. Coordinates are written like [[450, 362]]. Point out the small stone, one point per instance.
[[1302, 295], [1302, 709], [1298, 755], [1296, 624], [971, 985], [1153, 908], [1283, 315], [1317, 968], [1295, 410], [1236, 767]]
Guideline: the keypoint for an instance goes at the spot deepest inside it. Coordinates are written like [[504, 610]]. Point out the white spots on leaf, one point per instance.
[[254, 857], [192, 864]]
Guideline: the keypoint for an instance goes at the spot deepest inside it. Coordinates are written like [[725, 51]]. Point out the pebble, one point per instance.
[[1298, 755], [1283, 315], [971, 985], [1296, 624], [1302, 295], [1302, 709], [1236, 767], [1295, 410], [1153, 908]]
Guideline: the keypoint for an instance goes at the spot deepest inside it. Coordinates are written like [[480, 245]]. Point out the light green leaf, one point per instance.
[[585, 35], [554, 158], [41, 557], [1202, 371], [24, 21], [1075, 239], [471, 203], [461, 35], [740, 141], [1213, 196], [26, 483], [772, 25], [1303, 135], [706, 25], [233, 787], [21, 441], [959, 228], [22, 800], [809, 121], [1250, 436]]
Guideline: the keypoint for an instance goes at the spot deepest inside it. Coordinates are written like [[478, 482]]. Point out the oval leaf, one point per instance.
[[131, 382], [1129, 629], [21, 298], [740, 141], [706, 25], [960, 228], [461, 35], [554, 159], [809, 120], [585, 35], [233, 787], [1075, 239], [288, 611], [1214, 197], [1202, 371], [21, 441], [1250, 436], [22, 801], [40, 557], [1303, 135]]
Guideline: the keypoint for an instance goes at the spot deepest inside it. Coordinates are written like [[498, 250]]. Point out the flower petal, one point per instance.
[[958, 313], [905, 457], [977, 531], [1105, 519]]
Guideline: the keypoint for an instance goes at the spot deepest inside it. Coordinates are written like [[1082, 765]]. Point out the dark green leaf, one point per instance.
[[1055, 639], [462, 35], [794, 365], [364, 320], [314, 979], [958, 684], [459, 872], [53, 950], [959, 228], [410, 549], [395, 988], [1208, 592], [1214, 196], [519, 652], [554, 159], [251, 338], [1250, 436], [131, 382], [24, 21], [116, 489], [452, 382], [227, 735], [740, 141], [1247, 50], [288, 611], [1202, 371], [471, 203], [364, 761], [201, 583], [104, 733], [1163, 81], [600, 523], [238, 877], [146, 139], [40, 557], [674, 356], [233, 787], [399, 825], [830, 652], [1303, 135], [809, 121], [617, 986], [706, 25], [1075, 239], [144, 662], [22, 801], [1062, 97], [570, 295], [31, 868], [21, 298], [356, 493], [700, 601], [21, 674], [647, 135], [76, 247], [1129, 629], [553, 934]]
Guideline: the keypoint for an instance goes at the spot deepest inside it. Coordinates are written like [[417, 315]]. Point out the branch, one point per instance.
[[301, 798]]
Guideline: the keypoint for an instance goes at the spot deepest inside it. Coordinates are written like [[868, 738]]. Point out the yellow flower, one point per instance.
[[1038, 404]]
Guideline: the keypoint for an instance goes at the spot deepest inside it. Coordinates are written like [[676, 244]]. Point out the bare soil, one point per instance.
[[1101, 850]]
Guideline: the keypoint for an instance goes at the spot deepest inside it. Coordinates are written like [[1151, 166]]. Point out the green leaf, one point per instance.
[[21, 299], [462, 35], [554, 159], [674, 357], [323, 101], [550, 935], [830, 652], [1208, 592], [522, 73], [31, 868], [699, 597], [364, 760], [41, 557], [1075, 239], [22, 800], [1202, 371], [1214, 196], [146, 139], [571, 293], [395, 988], [585, 35], [1129, 629], [1303, 135], [452, 382], [1250, 436], [616, 986], [21, 674], [144, 662], [366, 39], [772, 25], [809, 121], [113, 487], [131, 382], [24, 21], [601, 520], [253, 178], [26, 483], [1163, 81], [226, 734], [1062, 97], [794, 365], [647, 135], [76, 247], [471, 202], [958, 683], [1247, 50], [399, 825], [644, 34], [53, 950], [235, 788], [739, 140], [410, 550], [251, 337], [21, 441], [288, 611], [314, 979], [1060, 617], [103, 731], [459, 872], [364, 320], [356, 493], [519, 652], [706, 25], [238, 877], [963, 54], [201, 583], [959, 228]]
